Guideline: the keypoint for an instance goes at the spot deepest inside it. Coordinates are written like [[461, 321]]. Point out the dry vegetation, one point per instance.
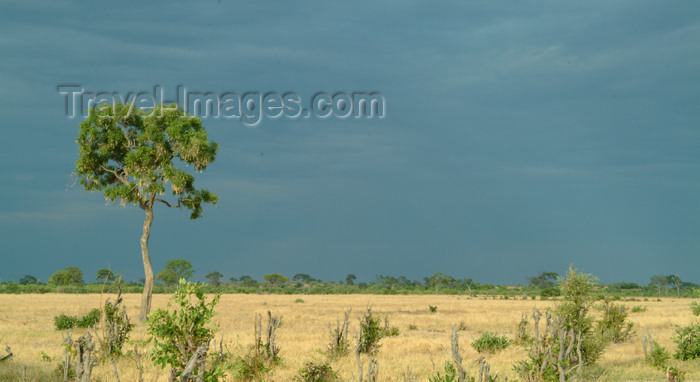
[[26, 324]]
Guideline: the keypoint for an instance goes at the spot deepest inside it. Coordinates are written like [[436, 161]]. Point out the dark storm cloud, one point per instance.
[[518, 138]]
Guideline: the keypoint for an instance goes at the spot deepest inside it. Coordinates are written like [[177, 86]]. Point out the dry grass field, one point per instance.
[[26, 324]]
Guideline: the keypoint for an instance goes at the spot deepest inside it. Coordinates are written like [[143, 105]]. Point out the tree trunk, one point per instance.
[[148, 270]]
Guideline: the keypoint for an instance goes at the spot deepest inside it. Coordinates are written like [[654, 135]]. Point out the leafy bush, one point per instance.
[[449, 376], [639, 308], [490, 343], [299, 300], [370, 333], [312, 372], [178, 336], [577, 288], [613, 326], [433, 309], [89, 319], [389, 331], [695, 308], [550, 292], [251, 367], [62, 321], [658, 355], [116, 326], [688, 341]]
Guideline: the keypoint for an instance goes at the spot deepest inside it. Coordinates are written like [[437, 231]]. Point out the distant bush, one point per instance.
[[312, 372], [63, 321], [639, 308], [433, 309], [89, 319], [658, 355], [299, 300], [613, 325], [550, 292], [695, 308], [688, 341], [490, 343]]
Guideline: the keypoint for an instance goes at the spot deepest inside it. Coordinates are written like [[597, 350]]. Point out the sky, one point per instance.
[[517, 138]]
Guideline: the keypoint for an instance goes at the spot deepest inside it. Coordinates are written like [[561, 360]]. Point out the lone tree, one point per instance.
[[132, 156], [105, 275], [214, 278], [181, 268]]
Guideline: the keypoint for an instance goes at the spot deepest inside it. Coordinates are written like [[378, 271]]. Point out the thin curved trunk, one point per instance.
[[148, 270]]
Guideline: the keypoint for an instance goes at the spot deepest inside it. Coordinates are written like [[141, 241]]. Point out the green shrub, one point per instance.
[[251, 367], [550, 292], [370, 333], [613, 325], [658, 355], [490, 343], [639, 308], [449, 376], [298, 301], [412, 327], [178, 335], [433, 309], [389, 331], [312, 372], [116, 326], [89, 319], [62, 321], [688, 341], [695, 308]]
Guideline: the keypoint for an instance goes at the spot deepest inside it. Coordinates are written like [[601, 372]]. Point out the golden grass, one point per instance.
[[26, 324]]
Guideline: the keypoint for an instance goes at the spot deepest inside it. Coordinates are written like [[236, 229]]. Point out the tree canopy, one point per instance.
[[67, 276]]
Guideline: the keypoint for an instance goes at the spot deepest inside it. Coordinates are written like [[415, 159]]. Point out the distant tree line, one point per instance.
[[545, 284]]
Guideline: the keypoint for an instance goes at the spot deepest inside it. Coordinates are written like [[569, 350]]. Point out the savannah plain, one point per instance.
[[423, 345]]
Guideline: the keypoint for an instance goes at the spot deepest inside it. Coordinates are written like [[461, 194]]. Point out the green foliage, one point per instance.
[[695, 308], [63, 321], [312, 372], [370, 333], [116, 327], [350, 279], [550, 292], [688, 341], [577, 288], [412, 327], [167, 277], [433, 309], [490, 343], [658, 355], [251, 367], [544, 280], [181, 268], [299, 301], [449, 376], [389, 331], [275, 279], [178, 334], [105, 275], [28, 279], [89, 319], [67, 276], [613, 325], [131, 155], [639, 308], [214, 278]]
